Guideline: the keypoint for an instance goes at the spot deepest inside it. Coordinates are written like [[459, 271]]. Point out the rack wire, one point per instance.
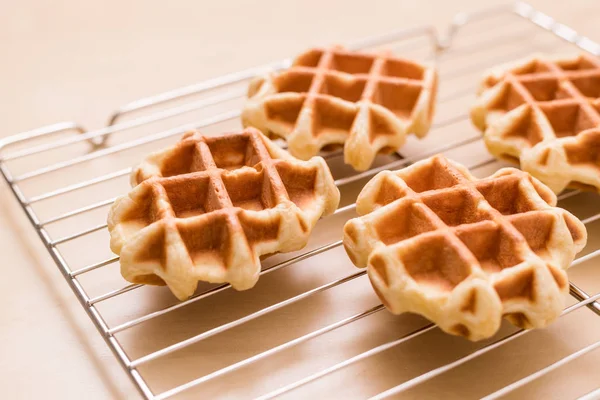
[[78, 168]]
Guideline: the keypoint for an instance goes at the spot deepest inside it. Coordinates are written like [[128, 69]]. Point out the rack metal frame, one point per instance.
[[98, 139]]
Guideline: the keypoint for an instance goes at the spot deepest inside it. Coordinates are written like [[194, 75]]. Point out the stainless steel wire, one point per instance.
[[444, 51], [447, 367]]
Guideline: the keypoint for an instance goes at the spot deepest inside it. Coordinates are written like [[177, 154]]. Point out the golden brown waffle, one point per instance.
[[545, 114], [464, 252], [369, 102], [207, 208]]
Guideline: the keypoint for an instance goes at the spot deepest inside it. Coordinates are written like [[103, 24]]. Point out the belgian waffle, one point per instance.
[[465, 252], [328, 97], [208, 208], [545, 114]]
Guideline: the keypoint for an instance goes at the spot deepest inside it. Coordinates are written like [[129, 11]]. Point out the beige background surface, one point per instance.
[[73, 60]]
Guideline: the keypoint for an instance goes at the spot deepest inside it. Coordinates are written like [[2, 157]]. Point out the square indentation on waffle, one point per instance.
[[294, 82], [435, 262], [577, 64], [589, 85], [355, 64], [585, 151], [456, 207], [209, 207], [425, 177], [433, 238], [328, 119], [535, 66], [399, 68], [191, 197], [542, 89], [531, 110], [569, 119], [183, 160], [525, 130], [208, 241], [235, 151], [399, 98], [335, 96], [494, 247], [410, 219], [346, 89], [252, 190], [507, 195]]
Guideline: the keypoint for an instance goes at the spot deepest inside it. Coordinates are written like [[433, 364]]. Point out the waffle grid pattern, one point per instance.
[[332, 96], [209, 207], [545, 114], [465, 252]]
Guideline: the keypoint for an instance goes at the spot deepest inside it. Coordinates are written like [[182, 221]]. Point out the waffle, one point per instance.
[[208, 208], [545, 114], [331, 97], [465, 252]]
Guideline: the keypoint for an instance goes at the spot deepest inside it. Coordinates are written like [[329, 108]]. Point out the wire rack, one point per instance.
[[65, 178]]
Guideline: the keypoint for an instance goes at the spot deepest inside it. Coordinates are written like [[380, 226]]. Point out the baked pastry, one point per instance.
[[544, 113], [207, 209], [464, 252], [366, 102]]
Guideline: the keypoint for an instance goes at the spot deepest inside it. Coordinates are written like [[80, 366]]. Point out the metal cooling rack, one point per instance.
[[70, 173]]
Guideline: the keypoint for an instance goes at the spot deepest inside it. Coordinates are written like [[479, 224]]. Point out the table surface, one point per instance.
[[78, 61]]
